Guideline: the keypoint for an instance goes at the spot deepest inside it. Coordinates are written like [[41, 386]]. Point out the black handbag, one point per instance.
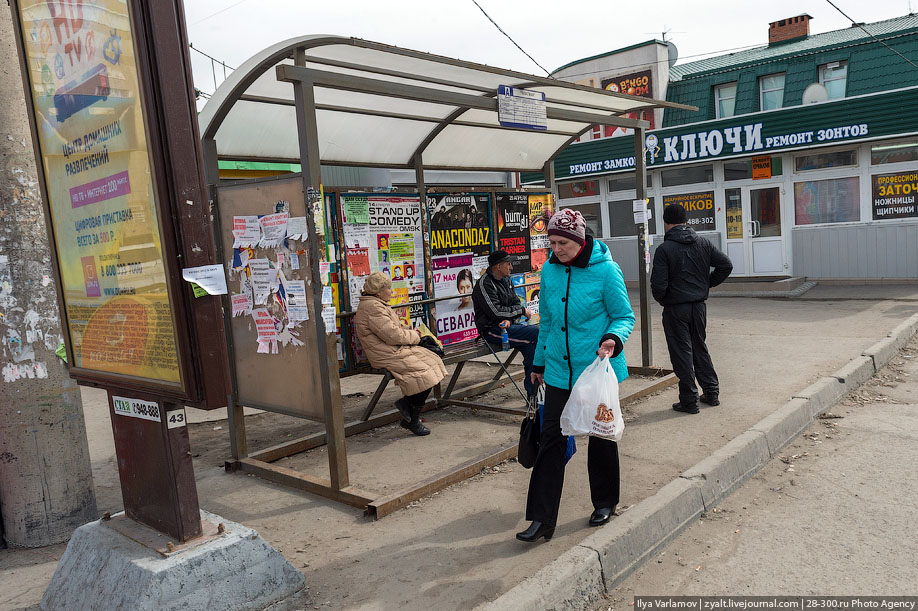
[[530, 431], [429, 343]]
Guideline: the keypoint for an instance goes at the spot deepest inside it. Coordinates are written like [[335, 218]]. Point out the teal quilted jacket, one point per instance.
[[578, 305]]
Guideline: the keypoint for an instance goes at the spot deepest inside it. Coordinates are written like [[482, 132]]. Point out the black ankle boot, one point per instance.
[[535, 531], [415, 427]]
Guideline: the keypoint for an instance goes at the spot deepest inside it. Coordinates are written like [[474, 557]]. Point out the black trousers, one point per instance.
[[417, 400], [684, 326], [547, 478]]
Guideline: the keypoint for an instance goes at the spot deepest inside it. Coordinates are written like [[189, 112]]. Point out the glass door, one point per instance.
[[766, 242]]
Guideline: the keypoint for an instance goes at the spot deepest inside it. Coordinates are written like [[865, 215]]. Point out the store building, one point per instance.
[[802, 159]]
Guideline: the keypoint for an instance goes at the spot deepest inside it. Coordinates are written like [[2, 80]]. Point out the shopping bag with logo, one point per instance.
[[593, 407]]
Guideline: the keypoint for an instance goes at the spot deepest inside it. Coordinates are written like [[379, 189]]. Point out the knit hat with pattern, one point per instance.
[[569, 224]]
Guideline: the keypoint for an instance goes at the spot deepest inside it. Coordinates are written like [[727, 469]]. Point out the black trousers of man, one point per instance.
[[547, 478], [684, 326]]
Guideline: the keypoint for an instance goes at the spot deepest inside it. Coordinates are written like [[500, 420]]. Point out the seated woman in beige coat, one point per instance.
[[390, 345]]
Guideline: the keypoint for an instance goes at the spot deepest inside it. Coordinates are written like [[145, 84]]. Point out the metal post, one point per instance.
[[640, 177], [304, 97], [548, 171], [425, 231], [234, 411], [159, 489]]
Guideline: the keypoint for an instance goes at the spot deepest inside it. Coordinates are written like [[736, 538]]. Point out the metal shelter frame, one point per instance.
[[365, 104]]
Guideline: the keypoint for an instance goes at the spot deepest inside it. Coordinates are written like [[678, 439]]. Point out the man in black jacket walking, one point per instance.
[[497, 308], [680, 281]]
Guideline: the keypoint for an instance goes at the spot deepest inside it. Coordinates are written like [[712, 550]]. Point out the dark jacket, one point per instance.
[[494, 301], [682, 267]]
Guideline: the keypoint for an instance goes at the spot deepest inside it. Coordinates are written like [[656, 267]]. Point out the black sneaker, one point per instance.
[[709, 399], [686, 408]]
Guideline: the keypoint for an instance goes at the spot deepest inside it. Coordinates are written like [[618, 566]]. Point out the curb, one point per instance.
[[578, 578]]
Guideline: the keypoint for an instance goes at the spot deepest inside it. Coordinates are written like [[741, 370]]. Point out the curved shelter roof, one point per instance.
[[382, 106]]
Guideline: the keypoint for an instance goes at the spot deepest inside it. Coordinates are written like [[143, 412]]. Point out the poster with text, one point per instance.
[[383, 233], [459, 223], [513, 229], [893, 195], [541, 207], [390, 241], [454, 275], [698, 206], [460, 241], [84, 87]]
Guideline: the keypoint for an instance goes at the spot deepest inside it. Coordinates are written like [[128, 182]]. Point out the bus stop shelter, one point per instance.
[[336, 101]]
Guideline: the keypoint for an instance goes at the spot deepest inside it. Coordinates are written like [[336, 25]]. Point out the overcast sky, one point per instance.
[[554, 33]]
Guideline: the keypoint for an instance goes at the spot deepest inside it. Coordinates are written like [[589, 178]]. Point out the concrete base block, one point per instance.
[[728, 467], [784, 424], [629, 539], [573, 582], [882, 351], [856, 372], [823, 394], [104, 569]]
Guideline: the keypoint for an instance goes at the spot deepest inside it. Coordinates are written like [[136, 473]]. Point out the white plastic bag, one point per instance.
[[593, 407]]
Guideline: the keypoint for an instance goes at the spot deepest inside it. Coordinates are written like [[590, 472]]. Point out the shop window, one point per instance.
[[627, 182], [898, 152], [724, 100], [823, 161], [621, 219], [834, 77], [742, 170], [688, 175], [585, 188], [771, 91], [591, 215], [827, 201]]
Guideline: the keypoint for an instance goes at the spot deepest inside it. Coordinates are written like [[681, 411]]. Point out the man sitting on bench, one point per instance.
[[497, 307]]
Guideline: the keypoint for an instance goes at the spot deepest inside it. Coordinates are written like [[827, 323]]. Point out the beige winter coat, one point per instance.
[[391, 346]]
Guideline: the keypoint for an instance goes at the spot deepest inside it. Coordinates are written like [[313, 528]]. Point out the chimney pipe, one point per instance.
[[789, 29]]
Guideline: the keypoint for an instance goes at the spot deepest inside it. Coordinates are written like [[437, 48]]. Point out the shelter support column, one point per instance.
[[304, 98], [548, 171], [640, 175], [234, 411], [425, 231]]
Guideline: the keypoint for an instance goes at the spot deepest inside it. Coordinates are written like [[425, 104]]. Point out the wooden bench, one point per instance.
[[458, 354]]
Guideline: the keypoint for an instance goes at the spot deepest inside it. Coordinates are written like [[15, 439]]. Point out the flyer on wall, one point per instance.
[[383, 233], [513, 229], [541, 207], [460, 241], [84, 87]]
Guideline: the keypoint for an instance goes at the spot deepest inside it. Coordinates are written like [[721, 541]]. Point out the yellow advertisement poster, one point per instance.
[[541, 207], [84, 87]]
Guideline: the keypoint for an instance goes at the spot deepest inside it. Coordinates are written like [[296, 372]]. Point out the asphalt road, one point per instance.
[[834, 515]]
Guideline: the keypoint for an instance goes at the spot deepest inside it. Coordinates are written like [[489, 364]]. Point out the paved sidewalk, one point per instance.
[[831, 516], [456, 550]]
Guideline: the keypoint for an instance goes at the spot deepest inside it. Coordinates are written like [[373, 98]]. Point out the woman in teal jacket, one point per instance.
[[584, 311]]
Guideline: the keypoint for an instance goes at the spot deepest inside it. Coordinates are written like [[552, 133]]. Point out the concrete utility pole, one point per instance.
[[46, 488]]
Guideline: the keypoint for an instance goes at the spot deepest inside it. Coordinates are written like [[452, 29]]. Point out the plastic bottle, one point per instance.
[[504, 340]]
